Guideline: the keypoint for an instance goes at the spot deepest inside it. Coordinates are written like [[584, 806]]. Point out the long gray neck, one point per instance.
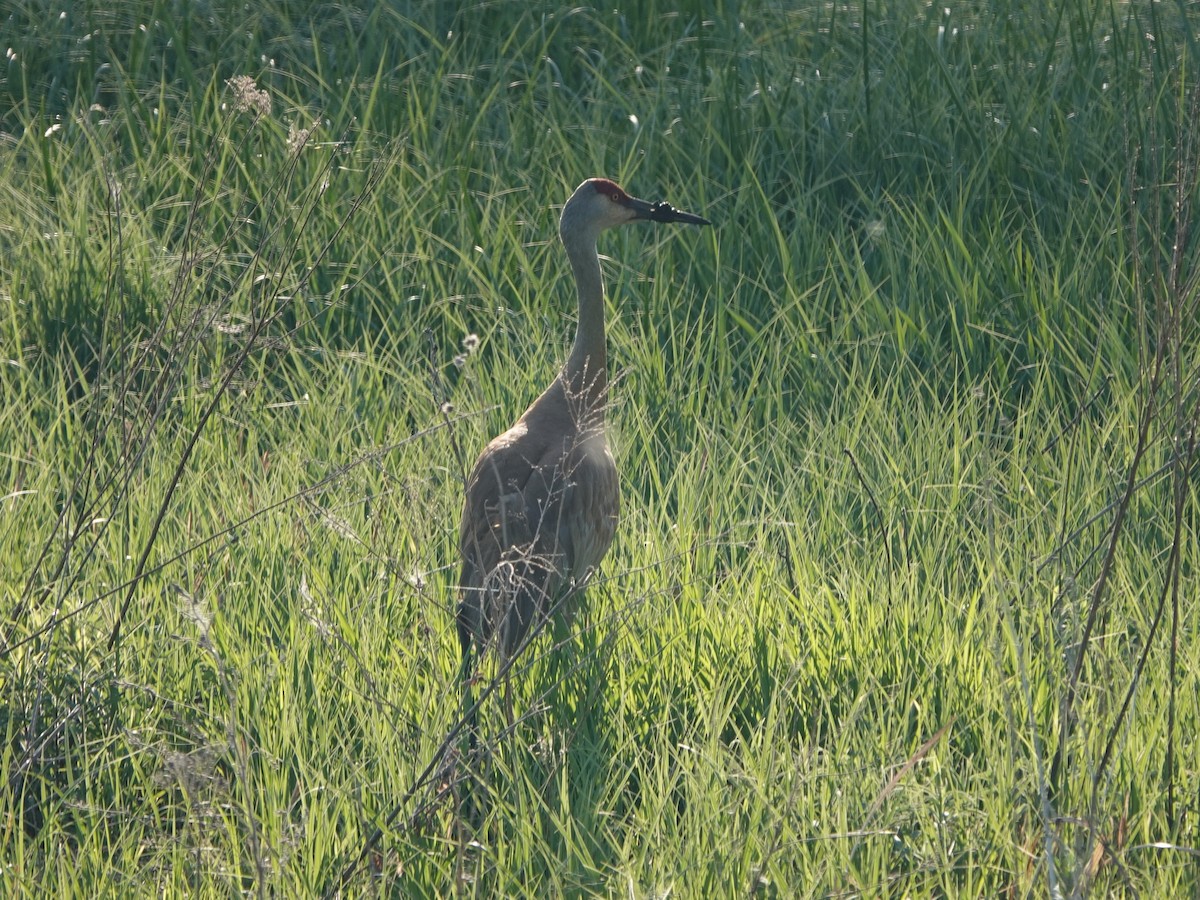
[[586, 373]]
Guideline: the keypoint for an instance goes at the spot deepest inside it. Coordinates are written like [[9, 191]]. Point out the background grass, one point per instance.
[[905, 444]]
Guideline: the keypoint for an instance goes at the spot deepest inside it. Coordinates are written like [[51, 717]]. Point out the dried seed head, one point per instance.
[[298, 137], [248, 97]]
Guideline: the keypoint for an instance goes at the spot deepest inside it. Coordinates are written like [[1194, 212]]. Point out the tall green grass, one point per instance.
[[899, 603]]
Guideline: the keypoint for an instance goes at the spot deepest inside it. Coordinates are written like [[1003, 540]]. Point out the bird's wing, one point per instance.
[[510, 537], [594, 504]]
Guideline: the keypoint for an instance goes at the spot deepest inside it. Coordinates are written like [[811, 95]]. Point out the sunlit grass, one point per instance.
[[873, 430]]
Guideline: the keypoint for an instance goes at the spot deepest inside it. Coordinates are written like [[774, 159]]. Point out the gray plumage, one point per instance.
[[542, 500]]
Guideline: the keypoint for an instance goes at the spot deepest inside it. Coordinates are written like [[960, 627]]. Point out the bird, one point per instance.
[[542, 500]]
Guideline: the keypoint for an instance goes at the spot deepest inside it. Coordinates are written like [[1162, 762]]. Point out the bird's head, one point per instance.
[[598, 204]]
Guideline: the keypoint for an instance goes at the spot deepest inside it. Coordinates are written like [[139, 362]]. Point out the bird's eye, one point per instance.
[[610, 190]]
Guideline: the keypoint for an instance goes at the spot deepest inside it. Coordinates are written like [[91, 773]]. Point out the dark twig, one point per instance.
[[887, 542]]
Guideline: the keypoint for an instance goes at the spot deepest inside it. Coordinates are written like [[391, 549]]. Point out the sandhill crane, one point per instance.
[[542, 500]]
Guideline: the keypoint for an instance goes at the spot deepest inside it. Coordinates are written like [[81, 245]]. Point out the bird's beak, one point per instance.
[[663, 212]]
